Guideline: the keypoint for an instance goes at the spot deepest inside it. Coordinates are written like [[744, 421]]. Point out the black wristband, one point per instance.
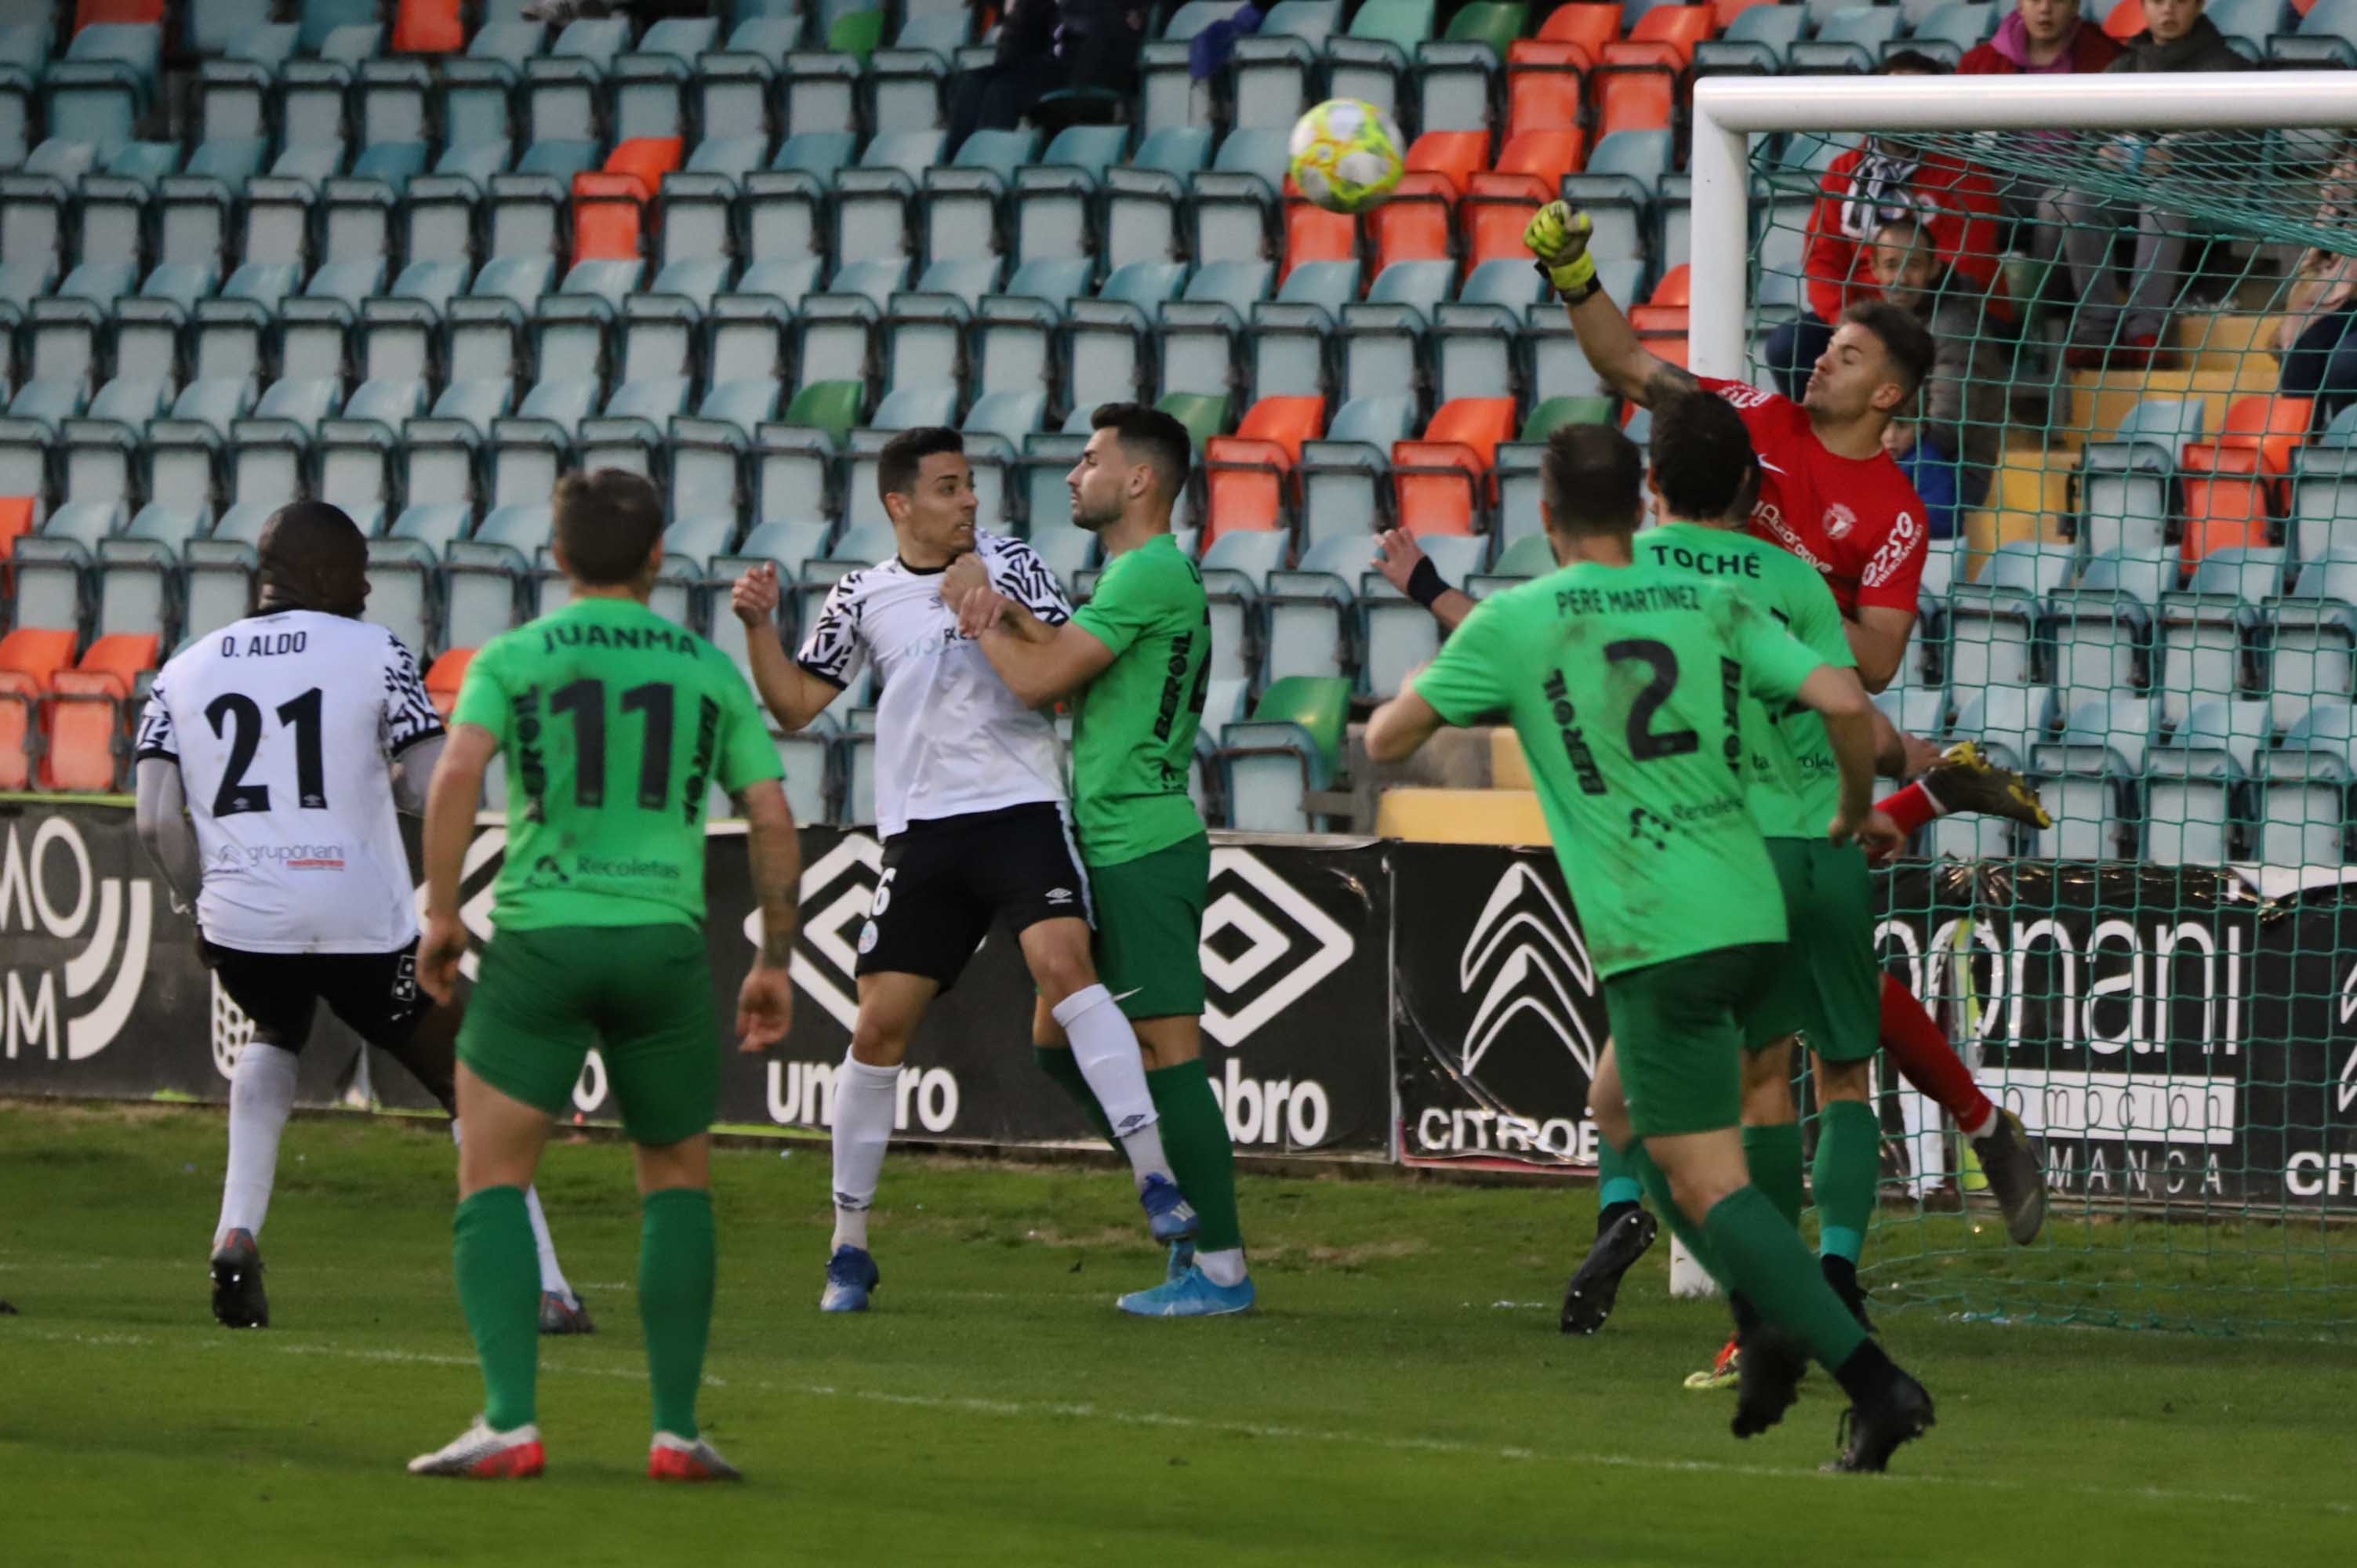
[[1424, 583], [1569, 296]]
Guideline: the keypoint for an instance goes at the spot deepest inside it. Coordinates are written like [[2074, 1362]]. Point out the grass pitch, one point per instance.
[[1402, 1396]]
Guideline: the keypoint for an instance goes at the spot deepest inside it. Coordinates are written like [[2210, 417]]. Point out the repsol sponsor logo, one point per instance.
[[802, 1094], [1293, 1113], [1440, 1131], [74, 1006]]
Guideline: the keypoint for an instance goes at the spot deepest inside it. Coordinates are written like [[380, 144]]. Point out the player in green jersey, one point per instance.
[[1627, 682], [1136, 658], [613, 723]]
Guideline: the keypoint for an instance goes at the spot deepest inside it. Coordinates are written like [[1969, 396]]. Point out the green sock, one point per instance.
[[499, 1286], [1774, 1155], [1614, 1185], [1848, 1175], [1057, 1062], [1657, 1188], [1767, 1262], [675, 1273], [1195, 1138]]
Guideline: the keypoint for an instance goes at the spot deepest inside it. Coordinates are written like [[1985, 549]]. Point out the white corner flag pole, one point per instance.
[[1689, 1281]]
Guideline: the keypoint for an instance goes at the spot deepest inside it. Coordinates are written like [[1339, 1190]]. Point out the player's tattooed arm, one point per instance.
[[450, 803], [163, 822], [765, 1003]]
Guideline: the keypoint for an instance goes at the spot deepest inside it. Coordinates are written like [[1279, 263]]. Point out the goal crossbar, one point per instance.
[[1730, 109]]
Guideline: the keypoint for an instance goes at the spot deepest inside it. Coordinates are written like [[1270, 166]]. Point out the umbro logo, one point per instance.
[[1059, 895]]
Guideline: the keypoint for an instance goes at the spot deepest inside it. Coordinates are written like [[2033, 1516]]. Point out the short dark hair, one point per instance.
[[904, 456], [1904, 62], [1593, 478], [1908, 224], [1905, 339], [1150, 434], [1702, 455], [312, 556], [608, 523]]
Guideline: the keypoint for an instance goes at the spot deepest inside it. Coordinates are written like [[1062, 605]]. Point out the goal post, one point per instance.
[[2164, 985]]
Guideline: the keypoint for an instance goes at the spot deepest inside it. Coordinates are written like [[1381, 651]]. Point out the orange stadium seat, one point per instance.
[[1443, 480], [2272, 426], [1544, 85], [1454, 156], [80, 742], [1413, 225], [1635, 91], [2226, 510], [1590, 26], [15, 730], [1540, 159], [428, 27], [1314, 234], [1676, 286], [1676, 27], [16, 521], [647, 159], [2126, 20], [446, 675], [122, 657], [1248, 474], [606, 213], [1495, 215], [34, 655], [126, 13]]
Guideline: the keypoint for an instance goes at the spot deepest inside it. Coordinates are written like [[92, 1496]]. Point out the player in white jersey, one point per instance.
[[970, 803], [291, 738]]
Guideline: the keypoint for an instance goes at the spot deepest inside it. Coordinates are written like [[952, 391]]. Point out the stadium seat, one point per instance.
[[1995, 623], [1311, 611], [446, 675], [1545, 87], [1271, 70], [1248, 475], [1398, 634], [1236, 567], [2311, 640], [427, 27], [1590, 26], [2305, 818], [1443, 483], [1754, 43], [1851, 39], [2327, 36], [2199, 783], [2204, 632], [1416, 224]]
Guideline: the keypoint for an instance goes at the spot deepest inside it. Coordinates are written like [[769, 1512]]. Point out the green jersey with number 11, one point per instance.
[[614, 722], [1627, 686]]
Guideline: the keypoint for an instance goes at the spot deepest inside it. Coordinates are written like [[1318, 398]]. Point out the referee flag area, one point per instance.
[[1402, 1396]]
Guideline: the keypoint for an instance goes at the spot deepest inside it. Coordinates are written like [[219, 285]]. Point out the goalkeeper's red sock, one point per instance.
[[1918, 1048], [1912, 807]]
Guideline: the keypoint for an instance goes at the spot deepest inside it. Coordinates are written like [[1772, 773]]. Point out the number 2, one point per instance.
[[1645, 743]]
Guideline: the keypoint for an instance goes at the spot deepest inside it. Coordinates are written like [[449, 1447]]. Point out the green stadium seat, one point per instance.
[[830, 406], [1204, 415], [1320, 704]]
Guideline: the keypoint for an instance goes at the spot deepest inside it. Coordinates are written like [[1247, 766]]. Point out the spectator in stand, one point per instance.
[[1864, 189], [2319, 352], [2041, 38], [1951, 447], [2122, 329], [1044, 47]]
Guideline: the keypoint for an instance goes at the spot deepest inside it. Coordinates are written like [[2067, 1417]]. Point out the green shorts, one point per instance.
[[1829, 987], [641, 994], [1678, 1036], [1150, 921]]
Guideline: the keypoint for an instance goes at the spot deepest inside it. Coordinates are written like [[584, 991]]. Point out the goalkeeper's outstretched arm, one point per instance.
[[1557, 237]]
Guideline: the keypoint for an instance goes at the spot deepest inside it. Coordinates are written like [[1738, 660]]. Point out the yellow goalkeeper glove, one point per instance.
[[1558, 236]]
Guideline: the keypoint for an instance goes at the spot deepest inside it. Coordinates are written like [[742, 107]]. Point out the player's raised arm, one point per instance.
[[1558, 236], [1407, 567], [789, 689]]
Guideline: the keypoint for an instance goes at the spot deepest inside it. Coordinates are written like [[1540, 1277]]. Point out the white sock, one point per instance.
[[261, 1095], [552, 1276], [1989, 1124], [1105, 1049], [865, 1099], [1224, 1267]]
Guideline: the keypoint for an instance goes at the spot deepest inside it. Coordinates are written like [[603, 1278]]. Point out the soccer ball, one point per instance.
[[1347, 155]]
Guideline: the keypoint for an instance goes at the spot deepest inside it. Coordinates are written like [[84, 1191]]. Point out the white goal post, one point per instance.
[[1730, 109]]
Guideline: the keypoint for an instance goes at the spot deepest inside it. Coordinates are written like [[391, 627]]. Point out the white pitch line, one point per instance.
[[1018, 1409]]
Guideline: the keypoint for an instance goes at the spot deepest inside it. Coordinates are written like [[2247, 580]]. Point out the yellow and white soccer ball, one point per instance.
[[1347, 155]]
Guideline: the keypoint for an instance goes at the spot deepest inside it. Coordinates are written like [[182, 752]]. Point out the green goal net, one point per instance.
[[2142, 592]]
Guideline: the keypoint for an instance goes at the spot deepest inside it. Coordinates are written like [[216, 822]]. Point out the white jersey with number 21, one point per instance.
[[284, 727]]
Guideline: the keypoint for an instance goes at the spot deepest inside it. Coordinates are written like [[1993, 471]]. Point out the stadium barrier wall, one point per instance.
[[2171, 1035]]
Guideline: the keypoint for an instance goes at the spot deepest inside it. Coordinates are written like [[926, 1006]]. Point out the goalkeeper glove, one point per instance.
[[1558, 236]]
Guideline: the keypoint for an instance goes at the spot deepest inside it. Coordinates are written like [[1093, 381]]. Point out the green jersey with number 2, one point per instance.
[[613, 723], [1134, 741], [1795, 783], [1626, 684]]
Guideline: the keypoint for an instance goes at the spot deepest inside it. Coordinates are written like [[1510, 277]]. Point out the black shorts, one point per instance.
[[945, 880], [375, 993]]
